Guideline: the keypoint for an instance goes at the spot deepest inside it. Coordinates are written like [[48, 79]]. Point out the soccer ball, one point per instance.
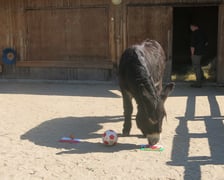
[[109, 137]]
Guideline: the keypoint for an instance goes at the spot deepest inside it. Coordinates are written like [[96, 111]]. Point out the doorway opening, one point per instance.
[[207, 18]]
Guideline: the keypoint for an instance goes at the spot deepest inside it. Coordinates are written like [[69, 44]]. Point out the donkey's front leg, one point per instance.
[[128, 109]]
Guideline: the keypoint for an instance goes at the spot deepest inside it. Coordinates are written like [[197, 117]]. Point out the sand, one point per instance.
[[35, 115]]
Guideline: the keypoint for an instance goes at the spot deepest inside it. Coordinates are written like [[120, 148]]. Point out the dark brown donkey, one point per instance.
[[141, 72]]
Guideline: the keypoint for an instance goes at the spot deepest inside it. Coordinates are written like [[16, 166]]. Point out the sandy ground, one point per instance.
[[34, 116]]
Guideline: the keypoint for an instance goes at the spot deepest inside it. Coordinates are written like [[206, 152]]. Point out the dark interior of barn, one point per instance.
[[207, 18]]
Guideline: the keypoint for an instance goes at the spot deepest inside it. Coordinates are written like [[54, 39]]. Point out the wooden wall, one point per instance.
[[61, 33], [85, 34]]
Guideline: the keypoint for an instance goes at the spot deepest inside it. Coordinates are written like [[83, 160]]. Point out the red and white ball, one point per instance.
[[110, 137]]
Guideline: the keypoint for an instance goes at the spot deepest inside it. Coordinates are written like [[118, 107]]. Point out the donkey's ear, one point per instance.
[[166, 91]]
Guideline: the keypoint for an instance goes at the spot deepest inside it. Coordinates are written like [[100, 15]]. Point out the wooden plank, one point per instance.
[[174, 2], [77, 64]]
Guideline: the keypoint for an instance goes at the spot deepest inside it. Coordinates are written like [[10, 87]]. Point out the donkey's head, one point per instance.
[[151, 113]]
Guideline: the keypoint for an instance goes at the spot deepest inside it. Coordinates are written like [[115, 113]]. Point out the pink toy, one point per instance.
[[69, 140]]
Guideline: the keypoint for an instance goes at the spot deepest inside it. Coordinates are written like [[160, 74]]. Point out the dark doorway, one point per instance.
[[207, 18]]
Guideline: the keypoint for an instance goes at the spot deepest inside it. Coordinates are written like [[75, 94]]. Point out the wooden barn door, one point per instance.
[[46, 39], [153, 22], [73, 36]]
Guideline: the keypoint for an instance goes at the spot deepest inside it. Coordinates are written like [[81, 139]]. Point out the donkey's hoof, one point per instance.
[[126, 133]]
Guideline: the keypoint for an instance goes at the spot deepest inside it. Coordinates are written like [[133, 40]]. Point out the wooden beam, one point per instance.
[[75, 64]]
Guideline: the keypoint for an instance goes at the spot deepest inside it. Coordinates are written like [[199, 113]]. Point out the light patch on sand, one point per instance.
[[116, 92], [196, 126], [202, 107], [220, 101], [198, 149]]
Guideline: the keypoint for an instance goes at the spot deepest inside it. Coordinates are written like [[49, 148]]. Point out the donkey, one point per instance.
[[141, 70]]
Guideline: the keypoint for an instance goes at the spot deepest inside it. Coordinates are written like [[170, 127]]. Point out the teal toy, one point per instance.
[[146, 147]]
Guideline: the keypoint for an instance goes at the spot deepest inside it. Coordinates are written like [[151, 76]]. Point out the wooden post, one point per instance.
[[220, 58], [112, 43], [118, 31]]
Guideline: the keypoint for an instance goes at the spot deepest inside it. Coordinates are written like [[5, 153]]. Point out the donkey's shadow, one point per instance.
[[85, 128]]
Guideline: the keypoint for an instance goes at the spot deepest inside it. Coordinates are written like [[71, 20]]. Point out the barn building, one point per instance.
[[83, 39]]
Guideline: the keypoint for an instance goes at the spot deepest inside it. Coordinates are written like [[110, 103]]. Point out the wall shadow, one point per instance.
[[60, 89], [49, 133], [214, 134]]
